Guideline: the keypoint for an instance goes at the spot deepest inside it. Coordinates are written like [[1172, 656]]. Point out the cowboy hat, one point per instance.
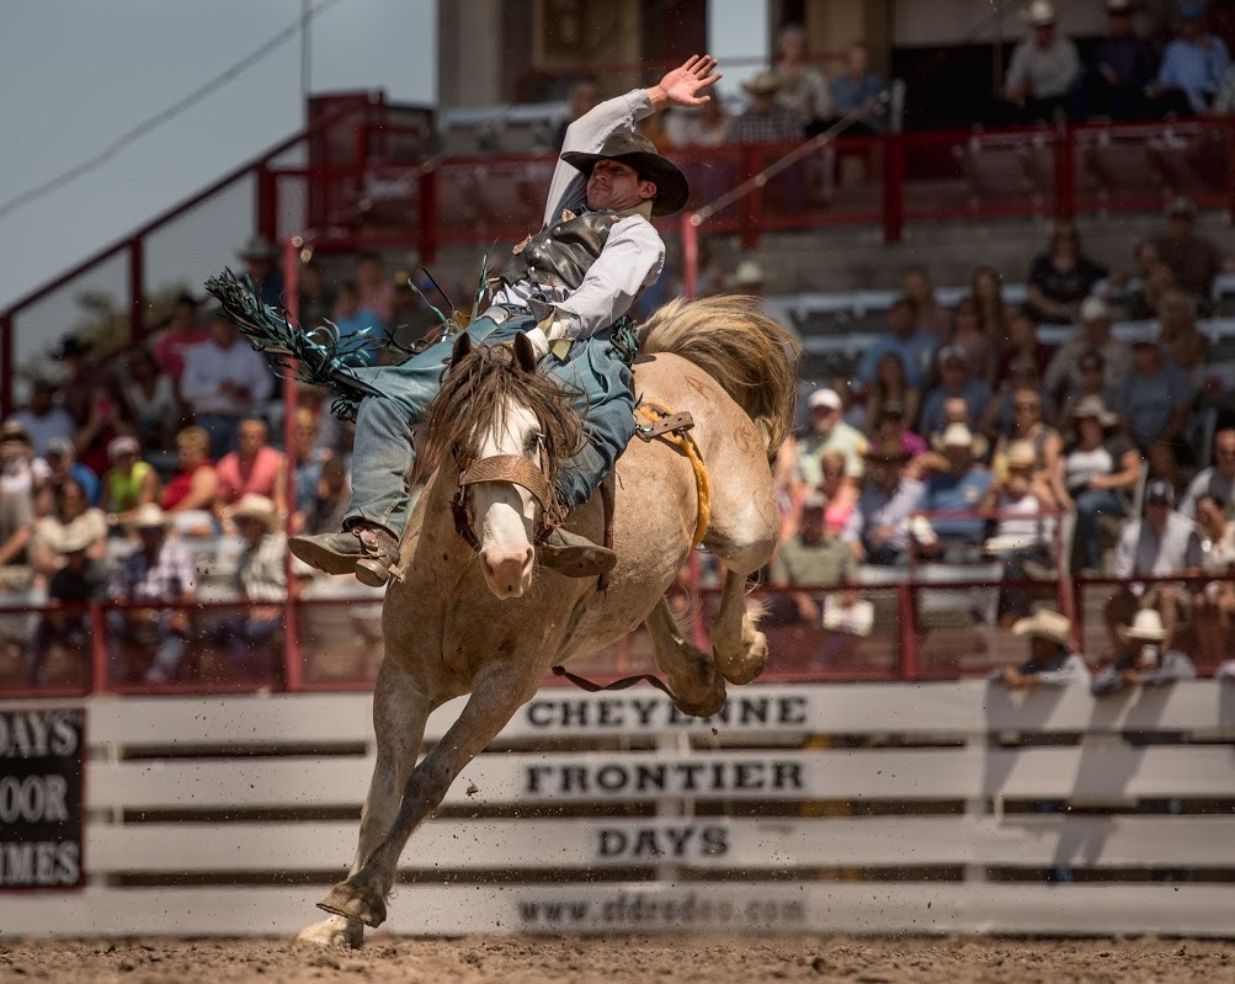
[[638, 152], [1021, 454], [763, 84], [257, 247], [957, 436], [748, 274], [1041, 13], [890, 452], [149, 517], [1146, 627], [256, 507], [826, 398], [1045, 624], [1092, 406], [1094, 309]]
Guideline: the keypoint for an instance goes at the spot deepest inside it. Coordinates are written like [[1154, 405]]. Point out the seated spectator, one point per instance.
[[151, 399], [1183, 344], [1097, 471], [1092, 386], [360, 328], [828, 433], [1193, 259], [20, 470], [1156, 399], [1144, 659], [878, 530], [932, 319], [857, 90], [1028, 426], [1124, 66], [327, 506], [375, 287], [890, 386], [1052, 660], [1218, 480], [260, 259], [192, 493], [183, 331], [106, 419], [1023, 353], [157, 572], [1064, 375], [1159, 545], [812, 558], [129, 483], [254, 468], [16, 529], [316, 297], [63, 465], [1214, 608], [1193, 64], [1024, 535], [1061, 278], [838, 489], [803, 89], [892, 429], [967, 334], [701, 126], [42, 419], [79, 579], [225, 380], [583, 97], [914, 348], [308, 457], [958, 489], [260, 578], [72, 519], [765, 120], [994, 313], [1154, 279], [1043, 69], [956, 381], [82, 376]]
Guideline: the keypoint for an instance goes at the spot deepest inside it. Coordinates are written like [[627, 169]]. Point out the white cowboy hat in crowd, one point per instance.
[[1146, 627], [826, 398], [748, 274], [150, 516], [1094, 309], [1040, 13], [1092, 406], [256, 507], [1045, 624], [957, 436]]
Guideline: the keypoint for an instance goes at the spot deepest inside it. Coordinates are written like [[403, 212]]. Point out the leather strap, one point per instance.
[[670, 424], [512, 468], [594, 688]]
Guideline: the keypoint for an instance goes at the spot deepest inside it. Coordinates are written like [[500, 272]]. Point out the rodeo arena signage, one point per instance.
[[848, 808]]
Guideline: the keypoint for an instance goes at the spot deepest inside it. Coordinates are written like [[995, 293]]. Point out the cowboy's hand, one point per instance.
[[686, 85]]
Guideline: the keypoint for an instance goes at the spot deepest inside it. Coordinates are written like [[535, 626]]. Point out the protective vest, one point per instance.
[[561, 254]]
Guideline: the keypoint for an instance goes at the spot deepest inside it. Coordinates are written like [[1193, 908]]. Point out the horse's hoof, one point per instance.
[[355, 902], [334, 931], [752, 663], [707, 704]]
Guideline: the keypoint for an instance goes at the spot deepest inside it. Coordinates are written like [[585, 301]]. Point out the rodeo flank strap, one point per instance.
[[673, 428], [594, 688]]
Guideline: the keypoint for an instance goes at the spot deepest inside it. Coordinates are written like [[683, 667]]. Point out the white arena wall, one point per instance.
[[813, 808]]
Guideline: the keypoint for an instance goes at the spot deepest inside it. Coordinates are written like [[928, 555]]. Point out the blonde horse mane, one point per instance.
[[730, 338]]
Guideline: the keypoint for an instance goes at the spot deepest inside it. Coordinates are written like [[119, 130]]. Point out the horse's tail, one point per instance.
[[752, 357]]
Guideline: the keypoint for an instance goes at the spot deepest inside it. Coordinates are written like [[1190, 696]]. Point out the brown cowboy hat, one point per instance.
[[638, 152], [763, 84]]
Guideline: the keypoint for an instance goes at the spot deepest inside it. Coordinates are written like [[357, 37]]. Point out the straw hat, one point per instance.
[[1146, 627], [1041, 13], [256, 507], [763, 84], [150, 516], [1092, 406], [957, 436], [748, 274], [1045, 624], [1021, 454]]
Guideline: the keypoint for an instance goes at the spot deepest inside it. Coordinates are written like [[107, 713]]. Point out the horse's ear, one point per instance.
[[525, 353], [463, 348]]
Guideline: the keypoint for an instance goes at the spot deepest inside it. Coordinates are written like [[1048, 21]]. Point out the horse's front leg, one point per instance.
[[496, 694], [400, 708], [698, 688]]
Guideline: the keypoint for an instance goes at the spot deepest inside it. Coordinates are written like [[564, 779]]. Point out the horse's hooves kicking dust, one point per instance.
[[355, 902]]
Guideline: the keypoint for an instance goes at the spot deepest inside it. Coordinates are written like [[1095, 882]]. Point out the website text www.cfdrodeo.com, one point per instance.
[[633, 910]]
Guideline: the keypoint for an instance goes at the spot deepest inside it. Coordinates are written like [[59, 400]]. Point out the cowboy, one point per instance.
[[1052, 659], [260, 578], [1145, 657], [566, 287]]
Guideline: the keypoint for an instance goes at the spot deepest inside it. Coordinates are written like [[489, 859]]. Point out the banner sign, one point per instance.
[[41, 764]]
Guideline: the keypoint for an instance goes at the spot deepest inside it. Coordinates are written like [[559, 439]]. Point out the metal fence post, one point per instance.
[[293, 676]]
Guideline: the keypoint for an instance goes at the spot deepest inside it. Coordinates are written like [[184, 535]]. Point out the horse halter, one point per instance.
[[513, 469]]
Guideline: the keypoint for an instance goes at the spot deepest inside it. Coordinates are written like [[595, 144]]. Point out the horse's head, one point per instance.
[[508, 428]]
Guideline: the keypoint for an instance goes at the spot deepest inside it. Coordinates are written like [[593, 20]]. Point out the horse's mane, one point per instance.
[[729, 337], [475, 396]]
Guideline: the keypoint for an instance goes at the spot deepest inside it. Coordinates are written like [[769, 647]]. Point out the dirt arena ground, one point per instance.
[[621, 960]]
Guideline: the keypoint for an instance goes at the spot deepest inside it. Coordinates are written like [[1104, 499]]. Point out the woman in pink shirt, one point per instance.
[[253, 468], [182, 331]]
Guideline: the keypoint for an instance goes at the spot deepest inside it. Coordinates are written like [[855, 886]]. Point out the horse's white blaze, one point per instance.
[[505, 514]]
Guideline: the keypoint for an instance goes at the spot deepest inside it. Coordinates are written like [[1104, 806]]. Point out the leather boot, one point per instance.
[[366, 550], [575, 556]]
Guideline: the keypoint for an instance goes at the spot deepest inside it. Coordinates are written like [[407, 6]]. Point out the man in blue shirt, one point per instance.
[[1156, 397], [958, 490], [1194, 62], [915, 348], [955, 380], [858, 91]]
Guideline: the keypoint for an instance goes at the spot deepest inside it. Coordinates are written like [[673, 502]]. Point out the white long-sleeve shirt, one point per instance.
[[207, 365], [633, 255]]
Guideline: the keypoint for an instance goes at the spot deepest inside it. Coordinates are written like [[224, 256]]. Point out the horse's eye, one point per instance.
[[533, 441]]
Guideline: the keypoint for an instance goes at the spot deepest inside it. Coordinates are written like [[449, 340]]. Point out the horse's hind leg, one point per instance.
[[400, 708], [740, 649], [496, 694], [698, 689]]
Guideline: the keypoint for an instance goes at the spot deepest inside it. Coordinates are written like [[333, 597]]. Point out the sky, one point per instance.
[[74, 74]]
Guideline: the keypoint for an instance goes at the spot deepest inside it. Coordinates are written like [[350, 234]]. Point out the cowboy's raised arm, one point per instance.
[[587, 134]]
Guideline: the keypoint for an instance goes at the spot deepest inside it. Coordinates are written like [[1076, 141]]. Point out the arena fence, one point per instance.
[[935, 807]]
